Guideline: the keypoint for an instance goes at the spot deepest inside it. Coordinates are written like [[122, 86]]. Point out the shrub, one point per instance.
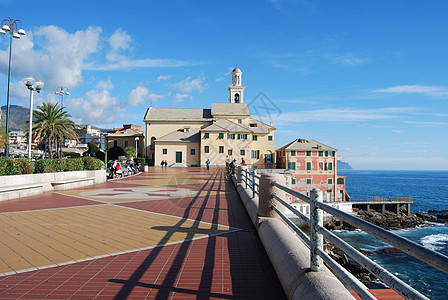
[[17, 166], [71, 154], [74, 164], [91, 163], [141, 160]]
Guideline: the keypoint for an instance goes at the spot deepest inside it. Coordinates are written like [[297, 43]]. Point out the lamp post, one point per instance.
[[136, 149], [61, 91], [32, 85], [10, 25]]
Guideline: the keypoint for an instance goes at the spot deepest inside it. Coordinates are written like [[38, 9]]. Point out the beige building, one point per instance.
[[128, 135], [225, 132]]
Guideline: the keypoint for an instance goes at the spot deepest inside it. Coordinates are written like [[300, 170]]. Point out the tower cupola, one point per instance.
[[236, 89]]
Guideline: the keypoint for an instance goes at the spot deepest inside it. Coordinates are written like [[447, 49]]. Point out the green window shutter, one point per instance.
[[206, 135], [269, 137], [330, 181], [321, 153], [293, 181], [330, 166], [326, 153], [221, 136], [293, 153], [254, 138], [308, 153], [340, 181], [308, 166], [308, 181]]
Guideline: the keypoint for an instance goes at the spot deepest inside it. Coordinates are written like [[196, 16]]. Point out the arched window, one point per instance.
[[237, 98], [340, 180], [153, 144]]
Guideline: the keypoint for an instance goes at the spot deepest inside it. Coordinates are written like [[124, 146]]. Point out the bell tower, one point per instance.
[[236, 89]]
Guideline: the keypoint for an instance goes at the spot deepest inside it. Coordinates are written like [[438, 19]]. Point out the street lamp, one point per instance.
[[13, 25], [32, 85], [136, 149], [61, 91]]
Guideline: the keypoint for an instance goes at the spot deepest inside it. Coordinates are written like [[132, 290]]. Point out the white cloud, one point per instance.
[[428, 124], [397, 131], [335, 115], [189, 85], [163, 77], [181, 97], [434, 91], [97, 107], [348, 59], [52, 54], [119, 41], [105, 85], [140, 95]]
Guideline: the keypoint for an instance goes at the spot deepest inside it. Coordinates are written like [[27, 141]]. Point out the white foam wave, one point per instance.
[[435, 242]]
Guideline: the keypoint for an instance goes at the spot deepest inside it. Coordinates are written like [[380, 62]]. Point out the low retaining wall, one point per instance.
[[45, 179], [291, 257]]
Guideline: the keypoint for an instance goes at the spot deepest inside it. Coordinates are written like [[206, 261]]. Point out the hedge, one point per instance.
[[17, 166]]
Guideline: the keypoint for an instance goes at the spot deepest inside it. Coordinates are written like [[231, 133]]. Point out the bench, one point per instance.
[[17, 191], [69, 183]]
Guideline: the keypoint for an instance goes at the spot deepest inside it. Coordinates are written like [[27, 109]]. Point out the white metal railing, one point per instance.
[[318, 232]]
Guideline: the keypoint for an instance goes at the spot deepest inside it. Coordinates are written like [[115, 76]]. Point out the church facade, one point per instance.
[[226, 131]]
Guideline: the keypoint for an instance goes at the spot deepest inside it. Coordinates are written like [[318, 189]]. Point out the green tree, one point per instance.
[[129, 152], [52, 124], [114, 152]]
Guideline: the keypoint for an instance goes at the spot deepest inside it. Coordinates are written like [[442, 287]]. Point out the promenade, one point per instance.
[[176, 233]]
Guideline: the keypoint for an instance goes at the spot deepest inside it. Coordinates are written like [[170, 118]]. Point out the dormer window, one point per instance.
[[253, 124]]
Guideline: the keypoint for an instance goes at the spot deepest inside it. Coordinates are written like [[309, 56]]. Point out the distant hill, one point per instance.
[[18, 115], [342, 165]]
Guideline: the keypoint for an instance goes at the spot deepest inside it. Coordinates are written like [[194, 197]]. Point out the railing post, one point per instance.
[[265, 192], [239, 174], [316, 239]]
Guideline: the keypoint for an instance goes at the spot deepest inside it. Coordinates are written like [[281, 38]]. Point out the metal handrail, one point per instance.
[[374, 268], [433, 258]]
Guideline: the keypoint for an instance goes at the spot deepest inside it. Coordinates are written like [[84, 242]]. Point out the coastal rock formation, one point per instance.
[[390, 220]]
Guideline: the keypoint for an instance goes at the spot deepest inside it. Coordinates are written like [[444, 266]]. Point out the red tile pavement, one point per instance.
[[232, 265]]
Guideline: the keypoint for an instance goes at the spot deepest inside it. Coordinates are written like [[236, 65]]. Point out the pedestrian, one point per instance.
[[166, 164], [162, 163], [208, 164], [243, 163]]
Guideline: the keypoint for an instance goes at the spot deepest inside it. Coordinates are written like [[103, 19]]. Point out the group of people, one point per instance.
[[230, 166], [164, 163]]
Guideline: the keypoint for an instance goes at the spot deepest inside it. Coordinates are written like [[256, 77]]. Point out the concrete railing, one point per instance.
[[266, 207], [17, 186]]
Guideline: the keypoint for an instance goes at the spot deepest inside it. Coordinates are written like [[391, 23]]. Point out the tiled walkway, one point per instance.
[[165, 234]]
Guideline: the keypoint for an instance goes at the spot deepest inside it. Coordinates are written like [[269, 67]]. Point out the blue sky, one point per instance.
[[367, 77]]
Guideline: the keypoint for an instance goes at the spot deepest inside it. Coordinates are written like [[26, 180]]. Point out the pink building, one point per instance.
[[313, 165]]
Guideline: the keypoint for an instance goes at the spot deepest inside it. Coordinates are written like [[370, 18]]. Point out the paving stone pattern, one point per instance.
[[176, 233]]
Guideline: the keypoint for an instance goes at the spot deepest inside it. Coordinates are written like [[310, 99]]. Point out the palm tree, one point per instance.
[[53, 125]]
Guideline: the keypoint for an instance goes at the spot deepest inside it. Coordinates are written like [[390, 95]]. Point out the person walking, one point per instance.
[[166, 164], [162, 163], [208, 165]]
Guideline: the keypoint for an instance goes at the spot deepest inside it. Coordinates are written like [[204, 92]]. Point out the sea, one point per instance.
[[429, 190]]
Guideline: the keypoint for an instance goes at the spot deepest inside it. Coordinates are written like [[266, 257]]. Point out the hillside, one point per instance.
[[18, 115], [342, 165]]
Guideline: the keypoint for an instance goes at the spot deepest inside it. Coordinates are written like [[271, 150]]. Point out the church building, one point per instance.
[[226, 131]]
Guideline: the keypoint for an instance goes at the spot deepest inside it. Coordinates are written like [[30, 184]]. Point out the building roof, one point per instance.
[[177, 114], [181, 136], [124, 133], [260, 126], [236, 70], [226, 125], [230, 110], [306, 145]]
